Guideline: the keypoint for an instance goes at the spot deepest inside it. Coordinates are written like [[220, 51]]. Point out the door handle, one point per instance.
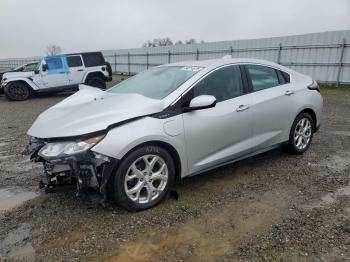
[[242, 108], [289, 93], [80, 70], [62, 72]]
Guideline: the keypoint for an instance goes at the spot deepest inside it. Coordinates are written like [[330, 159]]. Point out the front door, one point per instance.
[[219, 134], [56, 74]]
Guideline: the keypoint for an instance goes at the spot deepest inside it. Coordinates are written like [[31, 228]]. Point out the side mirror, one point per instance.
[[201, 102], [45, 67], [36, 71]]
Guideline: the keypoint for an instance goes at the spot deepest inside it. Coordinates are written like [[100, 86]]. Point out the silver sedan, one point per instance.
[[136, 139]]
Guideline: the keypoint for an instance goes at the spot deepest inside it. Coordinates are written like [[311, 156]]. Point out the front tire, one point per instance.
[[97, 82], [144, 178], [301, 134], [17, 91]]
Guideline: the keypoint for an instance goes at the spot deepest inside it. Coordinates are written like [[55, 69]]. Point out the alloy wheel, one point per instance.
[[302, 133], [146, 179]]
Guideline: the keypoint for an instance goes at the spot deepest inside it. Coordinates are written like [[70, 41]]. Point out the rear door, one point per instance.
[[76, 69], [219, 134], [272, 105]]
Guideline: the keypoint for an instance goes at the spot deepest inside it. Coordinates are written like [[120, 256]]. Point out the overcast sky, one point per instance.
[[28, 26]]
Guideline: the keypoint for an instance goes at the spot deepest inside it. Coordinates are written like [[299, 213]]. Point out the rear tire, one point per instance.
[[17, 91], [97, 82], [144, 178], [301, 134]]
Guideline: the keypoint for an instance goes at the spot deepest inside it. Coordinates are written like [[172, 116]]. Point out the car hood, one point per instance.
[[91, 110], [17, 74]]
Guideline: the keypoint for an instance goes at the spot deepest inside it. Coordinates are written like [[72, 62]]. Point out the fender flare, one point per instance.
[[92, 72], [22, 79]]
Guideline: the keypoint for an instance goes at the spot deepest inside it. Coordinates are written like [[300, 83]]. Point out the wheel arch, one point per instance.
[[171, 150], [30, 84], [92, 74], [312, 113]]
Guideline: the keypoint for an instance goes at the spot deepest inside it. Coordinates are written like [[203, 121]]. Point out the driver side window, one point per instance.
[[224, 83]]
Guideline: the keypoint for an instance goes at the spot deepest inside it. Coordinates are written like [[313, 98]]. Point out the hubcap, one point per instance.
[[146, 179], [302, 133]]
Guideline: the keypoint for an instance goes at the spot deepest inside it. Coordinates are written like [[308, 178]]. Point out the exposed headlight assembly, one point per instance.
[[69, 148]]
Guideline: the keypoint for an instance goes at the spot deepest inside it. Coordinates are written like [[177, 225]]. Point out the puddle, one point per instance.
[[25, 161], [2, 144], [216, 233], [330, 198], [4, 152], [20, 168], [341, 133], [14, 246], [11, 197], [339, 162], [335, 162], [26, 252], [6, 157]]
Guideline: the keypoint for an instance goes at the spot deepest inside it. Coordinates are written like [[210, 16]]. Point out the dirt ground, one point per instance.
[[272, 207]]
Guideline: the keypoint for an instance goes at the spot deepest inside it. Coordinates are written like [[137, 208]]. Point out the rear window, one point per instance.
[[285, 76], [93, 59], [74, 61], [262, 77]]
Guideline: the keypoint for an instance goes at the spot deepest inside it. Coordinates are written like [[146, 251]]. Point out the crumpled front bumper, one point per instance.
[[83, 171]]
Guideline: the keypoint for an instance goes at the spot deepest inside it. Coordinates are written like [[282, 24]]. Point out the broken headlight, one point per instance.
[[69, 148]]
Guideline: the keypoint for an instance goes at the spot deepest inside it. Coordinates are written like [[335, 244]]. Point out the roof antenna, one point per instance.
[[227, 57]]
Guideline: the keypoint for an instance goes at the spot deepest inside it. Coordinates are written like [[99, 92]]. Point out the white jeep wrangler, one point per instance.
[[58, 73]]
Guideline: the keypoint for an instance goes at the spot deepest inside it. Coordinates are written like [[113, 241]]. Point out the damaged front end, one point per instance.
[[71, 163]]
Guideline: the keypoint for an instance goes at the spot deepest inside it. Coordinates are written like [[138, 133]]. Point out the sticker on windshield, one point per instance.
[[192, 68]]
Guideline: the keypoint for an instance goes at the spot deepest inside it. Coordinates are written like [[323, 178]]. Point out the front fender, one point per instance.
[[122, 139], [23, 79]]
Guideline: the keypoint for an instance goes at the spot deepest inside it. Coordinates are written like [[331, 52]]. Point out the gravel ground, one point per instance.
[[274, 207]]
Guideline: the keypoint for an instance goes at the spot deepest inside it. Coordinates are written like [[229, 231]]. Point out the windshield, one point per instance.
[[31, 67], [27, 67], [157, 82]]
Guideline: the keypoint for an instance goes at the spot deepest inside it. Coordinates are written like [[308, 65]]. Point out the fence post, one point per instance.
[[197, 54], [128, 63], [147, 60], [169, 55], [231, 50], [279, 53], [341, 61], [115, 62]]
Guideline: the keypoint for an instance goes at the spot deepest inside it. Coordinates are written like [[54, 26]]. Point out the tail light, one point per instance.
[[314, 86]]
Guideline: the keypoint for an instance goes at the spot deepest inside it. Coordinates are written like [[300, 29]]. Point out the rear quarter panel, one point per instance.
[[306, 98]]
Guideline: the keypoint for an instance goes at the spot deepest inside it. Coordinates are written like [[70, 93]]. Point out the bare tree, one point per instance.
[[149, 43], [53, 50], [191, 41], [166, 41]]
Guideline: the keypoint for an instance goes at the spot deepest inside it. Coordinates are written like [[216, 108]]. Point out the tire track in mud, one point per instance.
[[214, 234]]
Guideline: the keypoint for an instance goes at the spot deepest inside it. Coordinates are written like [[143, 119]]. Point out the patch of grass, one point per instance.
[[345, 88], [119, 77]]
